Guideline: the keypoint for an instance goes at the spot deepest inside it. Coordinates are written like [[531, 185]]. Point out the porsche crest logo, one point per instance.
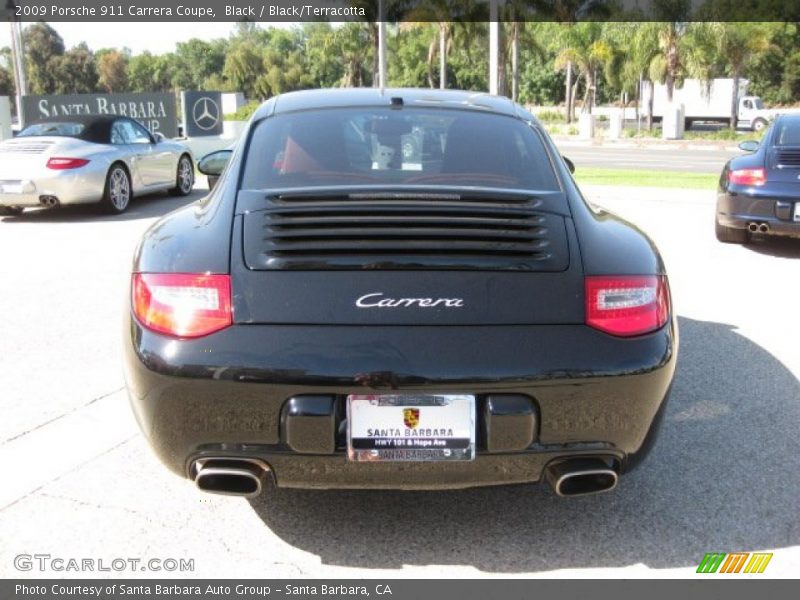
[[411, 417]]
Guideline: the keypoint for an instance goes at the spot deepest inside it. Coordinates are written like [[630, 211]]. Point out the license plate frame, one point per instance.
[[442, 427], [11, 188]]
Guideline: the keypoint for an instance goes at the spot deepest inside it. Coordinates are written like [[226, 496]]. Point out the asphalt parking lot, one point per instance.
[[79, 481]]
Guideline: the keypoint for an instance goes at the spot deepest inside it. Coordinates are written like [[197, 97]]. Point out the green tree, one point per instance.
[[7, 87], [324, 67], [284, 65], [450, 18], [667, 66], [516, 13], [408, 49], [196, 60], [76, 71], [778, 68], [43, 51], [243, 67], [582, 45], [149, 73], [737, 44], [112, 71], [351, 44]]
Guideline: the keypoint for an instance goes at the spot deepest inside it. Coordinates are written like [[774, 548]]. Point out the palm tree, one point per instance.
[[643, 50], [449, 16], [351, 42], [583, 46], [737, 43], [668, 67], [671, 16], [515, 13]]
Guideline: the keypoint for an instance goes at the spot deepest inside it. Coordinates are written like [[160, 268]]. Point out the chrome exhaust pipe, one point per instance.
[[230, 476], [753, 227], [48, 201], [582, 476], [763, 228]]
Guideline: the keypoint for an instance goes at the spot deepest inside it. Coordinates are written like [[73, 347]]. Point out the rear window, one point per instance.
[[787, 133], [383, 146], [65, 129]]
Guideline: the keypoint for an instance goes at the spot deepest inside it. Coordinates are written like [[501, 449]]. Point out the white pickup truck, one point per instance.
[[711, 101]]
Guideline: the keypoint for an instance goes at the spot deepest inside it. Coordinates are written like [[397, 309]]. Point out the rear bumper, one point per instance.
[[80, 186], [224, 395], [739, 210]]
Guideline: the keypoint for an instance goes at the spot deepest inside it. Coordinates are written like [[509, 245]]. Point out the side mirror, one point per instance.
[[212, 165], [158, 138], [749, 145], [569, 163]]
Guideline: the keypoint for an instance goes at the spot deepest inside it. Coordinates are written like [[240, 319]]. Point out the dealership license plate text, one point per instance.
[[421, 427]]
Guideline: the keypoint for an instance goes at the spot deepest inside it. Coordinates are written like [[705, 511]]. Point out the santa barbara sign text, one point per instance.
[[156, 111]]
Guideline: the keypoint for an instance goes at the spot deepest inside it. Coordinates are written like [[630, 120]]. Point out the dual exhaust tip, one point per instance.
[[754, 227], [582, 476], [247, 477], [230, 476], [48, 201]]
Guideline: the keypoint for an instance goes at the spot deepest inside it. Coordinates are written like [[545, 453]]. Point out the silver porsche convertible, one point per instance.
[[89, 159]]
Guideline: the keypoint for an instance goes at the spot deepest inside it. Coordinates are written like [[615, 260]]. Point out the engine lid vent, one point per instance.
[[412, 231]]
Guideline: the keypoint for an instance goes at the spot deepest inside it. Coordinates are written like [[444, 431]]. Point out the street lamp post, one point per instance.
[[494, 46], [381, 44]]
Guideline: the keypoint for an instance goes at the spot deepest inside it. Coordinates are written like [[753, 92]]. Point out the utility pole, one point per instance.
[[18, 57]]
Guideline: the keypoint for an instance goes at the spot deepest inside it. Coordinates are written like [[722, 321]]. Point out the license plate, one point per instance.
[[421, 427], [10, 188], [796, 211]]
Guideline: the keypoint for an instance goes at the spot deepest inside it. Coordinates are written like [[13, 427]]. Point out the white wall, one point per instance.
[[201, 146], [231, 102], [5, 118]]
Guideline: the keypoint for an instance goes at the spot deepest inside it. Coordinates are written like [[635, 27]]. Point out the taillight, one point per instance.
[[182, 305], [627, 305], [748, 176], [59, 163]]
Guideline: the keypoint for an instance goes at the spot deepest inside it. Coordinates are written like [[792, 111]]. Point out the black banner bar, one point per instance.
[[679, 11], [703, 588]]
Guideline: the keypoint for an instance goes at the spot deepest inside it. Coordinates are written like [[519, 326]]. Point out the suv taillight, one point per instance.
[[181, 304], [627, 305]]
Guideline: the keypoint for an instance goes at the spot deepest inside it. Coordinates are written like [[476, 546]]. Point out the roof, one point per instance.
[[354, 97], [97, 128]]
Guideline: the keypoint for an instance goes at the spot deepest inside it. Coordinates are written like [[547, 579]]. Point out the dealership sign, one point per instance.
[[202, 113], [158, 112]]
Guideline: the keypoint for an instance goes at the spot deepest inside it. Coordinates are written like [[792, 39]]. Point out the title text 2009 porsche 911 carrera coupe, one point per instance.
[[398, 289], [89, 159]]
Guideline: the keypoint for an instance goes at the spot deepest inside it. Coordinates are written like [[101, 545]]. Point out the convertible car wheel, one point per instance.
[[184, 178], [117, 194]]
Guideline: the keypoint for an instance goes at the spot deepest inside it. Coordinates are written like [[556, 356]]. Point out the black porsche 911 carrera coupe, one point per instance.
[[398, 289], [759, 192]]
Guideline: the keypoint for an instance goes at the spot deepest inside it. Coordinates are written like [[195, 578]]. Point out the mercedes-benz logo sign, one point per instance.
[[205, 113]]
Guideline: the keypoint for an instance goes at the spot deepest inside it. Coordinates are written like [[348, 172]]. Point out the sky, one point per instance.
[[158, 38]]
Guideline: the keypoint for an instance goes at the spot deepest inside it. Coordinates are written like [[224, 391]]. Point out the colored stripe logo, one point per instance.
[[734, 562]]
